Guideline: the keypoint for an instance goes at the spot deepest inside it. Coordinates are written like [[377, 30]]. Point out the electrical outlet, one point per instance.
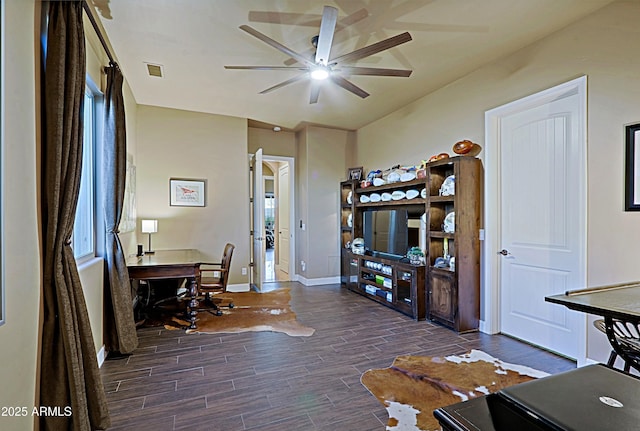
[[303, 265], [244, 270]]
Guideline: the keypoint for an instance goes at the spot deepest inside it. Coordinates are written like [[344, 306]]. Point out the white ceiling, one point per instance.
[[194, 39]]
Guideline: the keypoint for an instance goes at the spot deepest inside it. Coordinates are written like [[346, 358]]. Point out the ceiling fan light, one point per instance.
[[319, 74]]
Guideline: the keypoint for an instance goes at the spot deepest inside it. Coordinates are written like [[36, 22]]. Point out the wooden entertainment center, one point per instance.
[[441, 291]]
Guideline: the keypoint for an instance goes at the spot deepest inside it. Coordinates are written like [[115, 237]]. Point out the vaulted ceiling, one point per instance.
[[192, 41]]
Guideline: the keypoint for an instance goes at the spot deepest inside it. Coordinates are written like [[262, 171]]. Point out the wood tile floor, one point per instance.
[[270, 381]]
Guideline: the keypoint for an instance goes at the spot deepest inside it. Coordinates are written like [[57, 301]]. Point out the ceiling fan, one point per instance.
[[323, 65]]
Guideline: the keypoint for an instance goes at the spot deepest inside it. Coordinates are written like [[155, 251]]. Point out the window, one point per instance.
[[83, 239]]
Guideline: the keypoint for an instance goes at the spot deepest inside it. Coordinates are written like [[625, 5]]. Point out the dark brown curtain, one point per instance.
[[120, 325], [69, 376]]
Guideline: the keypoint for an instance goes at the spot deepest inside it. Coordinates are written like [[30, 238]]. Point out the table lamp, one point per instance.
[[149, 226]]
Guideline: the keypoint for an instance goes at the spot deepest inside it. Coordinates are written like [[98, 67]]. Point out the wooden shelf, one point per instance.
[[451, 298]]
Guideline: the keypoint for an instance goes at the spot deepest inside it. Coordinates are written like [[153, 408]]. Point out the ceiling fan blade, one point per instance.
[[277, 45], [266, 68], [315, 91], [287, 82], [374, 71], [349, 86], [325, 38], [373, 49]]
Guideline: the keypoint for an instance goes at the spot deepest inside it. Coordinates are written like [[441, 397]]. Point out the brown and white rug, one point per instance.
[[252, 311], [413, 386]]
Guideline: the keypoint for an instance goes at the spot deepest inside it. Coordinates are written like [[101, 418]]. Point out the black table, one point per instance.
[[620, 302], [595, 397]]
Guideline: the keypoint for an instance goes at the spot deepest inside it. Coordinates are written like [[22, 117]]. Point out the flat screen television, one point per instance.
[[391, 233]]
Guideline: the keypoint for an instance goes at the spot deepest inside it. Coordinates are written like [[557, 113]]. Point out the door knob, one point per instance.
[[504, 252]]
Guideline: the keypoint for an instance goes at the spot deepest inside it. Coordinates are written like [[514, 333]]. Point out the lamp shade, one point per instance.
[[149, 226]]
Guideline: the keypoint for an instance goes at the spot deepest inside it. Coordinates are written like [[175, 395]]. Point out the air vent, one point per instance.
[[155, 70]]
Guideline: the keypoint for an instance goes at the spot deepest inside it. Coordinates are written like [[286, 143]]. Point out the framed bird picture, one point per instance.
[[186, 192]]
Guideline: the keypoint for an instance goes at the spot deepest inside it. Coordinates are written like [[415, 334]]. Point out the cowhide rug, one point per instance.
[[252, 311], [414, 386]]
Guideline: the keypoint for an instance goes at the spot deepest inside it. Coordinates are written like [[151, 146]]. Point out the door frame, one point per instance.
[[490, 322], [292, 213]]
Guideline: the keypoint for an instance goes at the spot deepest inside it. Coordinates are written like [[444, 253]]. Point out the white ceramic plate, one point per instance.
[[448, 186], [412, 194], [350, 198], [408, 176], [397, 195], [386, 197], [375, 197], [450, 222], [423, 193], [364, 199], [378, 182], [393, 177]]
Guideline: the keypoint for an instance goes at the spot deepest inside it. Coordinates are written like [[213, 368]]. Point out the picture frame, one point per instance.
[[355, 173], [632, 167], [187, 192]]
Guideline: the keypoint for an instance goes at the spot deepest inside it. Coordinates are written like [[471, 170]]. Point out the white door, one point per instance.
[[542, 220], [257, 197], [284, 233]]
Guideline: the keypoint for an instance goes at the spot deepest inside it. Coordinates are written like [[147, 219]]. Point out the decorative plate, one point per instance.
[[393, 177], [350, 220], [375, 197], [397, 195], [386, 197], [350, 198], [408, 176], [412, 194], [423, 193], [378, 182], [364, 199], [450, 222], [448, 186]]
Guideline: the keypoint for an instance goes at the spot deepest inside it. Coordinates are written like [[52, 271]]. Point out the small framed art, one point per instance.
[[632, 168], [355, 173], [186, 192]]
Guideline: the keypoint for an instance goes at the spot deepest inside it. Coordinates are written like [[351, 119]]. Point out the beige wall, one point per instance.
[[182, 144], [20, 252], [322, 164], [281, 143], [600, 46], [129, 240]]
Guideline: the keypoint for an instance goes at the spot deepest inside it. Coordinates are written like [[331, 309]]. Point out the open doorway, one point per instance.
[[278, 213]]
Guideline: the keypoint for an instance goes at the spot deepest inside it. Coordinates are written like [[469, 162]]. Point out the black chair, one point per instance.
[[626, 338], [214, 277]]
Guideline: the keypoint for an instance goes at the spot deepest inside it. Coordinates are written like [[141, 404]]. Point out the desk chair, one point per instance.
[[627, 338], [214, 276]]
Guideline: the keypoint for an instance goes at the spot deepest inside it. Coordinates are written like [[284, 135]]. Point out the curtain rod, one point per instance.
[[87, 10]]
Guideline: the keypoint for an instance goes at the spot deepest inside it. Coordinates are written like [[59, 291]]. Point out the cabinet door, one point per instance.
[[404, 291], [443, 297]]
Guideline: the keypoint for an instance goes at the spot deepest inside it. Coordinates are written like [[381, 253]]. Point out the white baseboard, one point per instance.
[[485, 329], [101, 356], [318, 281], [241, 287]]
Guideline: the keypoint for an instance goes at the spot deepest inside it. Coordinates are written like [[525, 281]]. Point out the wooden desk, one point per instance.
[[165, 264], [620, 301]]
